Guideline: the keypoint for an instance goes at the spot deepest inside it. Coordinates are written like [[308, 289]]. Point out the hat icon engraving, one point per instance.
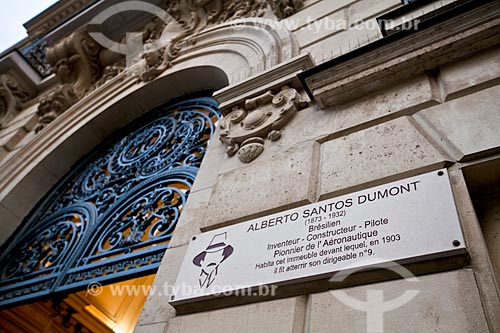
[[210, 259]]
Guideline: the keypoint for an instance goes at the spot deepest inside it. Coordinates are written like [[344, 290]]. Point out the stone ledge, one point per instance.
[[283, 74], [403, 55], [472, 74]]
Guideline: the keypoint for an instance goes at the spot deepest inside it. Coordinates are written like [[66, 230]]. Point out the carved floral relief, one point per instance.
[[81, 64], [55, 104], [194, 16], [12, 97]]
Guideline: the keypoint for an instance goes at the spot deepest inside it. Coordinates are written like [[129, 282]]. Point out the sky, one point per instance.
[[13, 13]]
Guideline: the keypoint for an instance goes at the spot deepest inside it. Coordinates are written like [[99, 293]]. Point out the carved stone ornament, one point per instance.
[[284, 8], [81, 65], [55, 104], [75, 61], [194, 16], [244, 129], [12, 97], [80, 61]]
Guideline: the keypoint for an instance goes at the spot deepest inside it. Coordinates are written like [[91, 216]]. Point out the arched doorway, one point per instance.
[[112, 216]]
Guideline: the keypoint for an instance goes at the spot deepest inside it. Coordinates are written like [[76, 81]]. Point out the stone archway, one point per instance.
[[221, 56], [43, 161]]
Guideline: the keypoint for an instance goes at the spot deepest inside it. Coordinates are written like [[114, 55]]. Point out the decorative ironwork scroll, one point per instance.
[[113, 216]]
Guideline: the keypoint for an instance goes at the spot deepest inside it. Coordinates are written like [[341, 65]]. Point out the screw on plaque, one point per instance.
[[456, 243], [440, 173], [194, 238]]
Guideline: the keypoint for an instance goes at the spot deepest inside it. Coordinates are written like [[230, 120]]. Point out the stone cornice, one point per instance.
[[260, 107], [404, 54], [55, 15], [283, 74]]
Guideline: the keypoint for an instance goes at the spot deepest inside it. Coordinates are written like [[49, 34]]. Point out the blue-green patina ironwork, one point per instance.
[[113, 216]]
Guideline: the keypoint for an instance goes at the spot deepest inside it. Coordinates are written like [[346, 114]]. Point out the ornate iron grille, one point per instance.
[[113, 216], [35, 55]]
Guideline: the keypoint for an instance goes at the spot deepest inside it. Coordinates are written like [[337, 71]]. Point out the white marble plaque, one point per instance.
[[405, 221]]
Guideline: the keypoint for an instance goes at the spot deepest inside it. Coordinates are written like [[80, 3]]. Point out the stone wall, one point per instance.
[[421, 123], [327, 29], [444, 116]]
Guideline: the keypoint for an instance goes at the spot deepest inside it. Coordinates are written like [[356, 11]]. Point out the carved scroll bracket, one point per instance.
[[75, 60], [12, 97], [81, 65], [245, 129], [284, 8]]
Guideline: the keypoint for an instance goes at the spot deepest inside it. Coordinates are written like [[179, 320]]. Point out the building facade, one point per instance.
[[318, 100]]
